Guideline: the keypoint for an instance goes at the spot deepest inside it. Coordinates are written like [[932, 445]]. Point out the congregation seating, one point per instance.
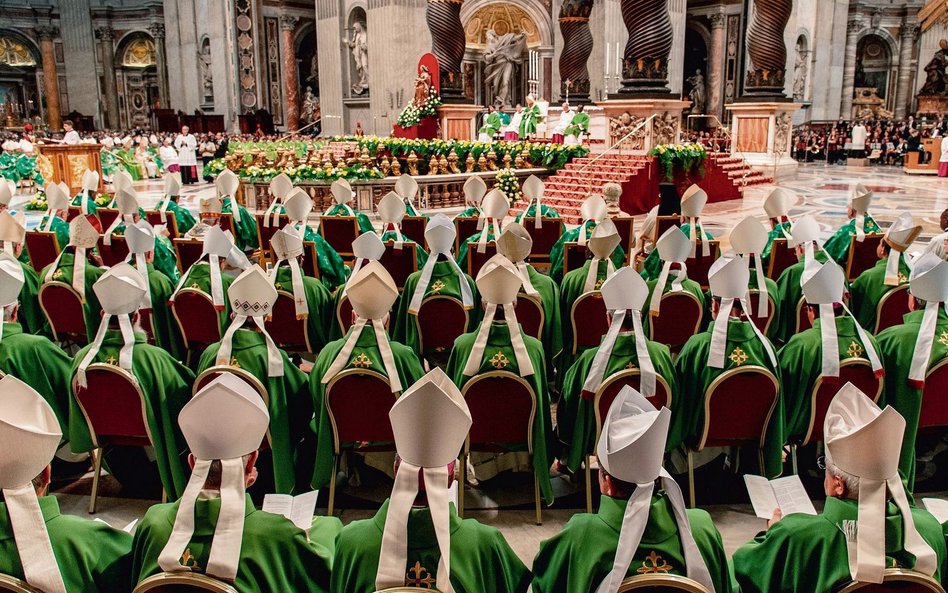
[[340, 232], [892, 308], [400, 263], [287, 331], [115, 253], [62, 306], [544, 238], [466, 227], [589, 321], [154, 219], [476, 260], [182, 582], [42, 247], [187, 251], [934, 412], [197, 319], [265, 233], [781, 258], [862, 255], [413, 227], [440, 320], [700, 264]]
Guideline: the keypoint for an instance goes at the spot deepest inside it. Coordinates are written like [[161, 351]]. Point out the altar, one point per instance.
[[69, 162]]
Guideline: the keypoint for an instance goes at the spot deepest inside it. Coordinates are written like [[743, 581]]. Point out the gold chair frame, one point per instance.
[[528, 223], [668, 581], [852, 252], [536, 302], [177, 320], [651, 315], [772, 308], [355, 228], [177, 252], [39, 293], [172, 222], [572, 314], [289, 295], [9, 584], [187, 582], [893, 575], [51, 234], [885, 298], [471, 248]]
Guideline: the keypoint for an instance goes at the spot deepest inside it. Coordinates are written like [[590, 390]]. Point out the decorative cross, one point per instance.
[[499, 361], [738, 357], [854, 350], [362, 361], [234, 363], [57, 274], [301, 301], [414, 577], [190, 561], [112, 361], [437, 286], [195, 286], [630, 366], [943, 339], [278, 285], [651, 564], [568, 84], [902, 278]]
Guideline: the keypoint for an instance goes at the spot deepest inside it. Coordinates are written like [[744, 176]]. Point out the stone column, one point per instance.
[[577, 47], [767, 49], [716, 64], [50, 77], [645, 60], [291, 77], [903, 93], [106, 35], [447, 44], [157, 31], [849, 69]]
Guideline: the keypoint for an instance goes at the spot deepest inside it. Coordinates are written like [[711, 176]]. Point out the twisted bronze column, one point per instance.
[[645, 62], [766, 48], [447, 44], [577, 47]]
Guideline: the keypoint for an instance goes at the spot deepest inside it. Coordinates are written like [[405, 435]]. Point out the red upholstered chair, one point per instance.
[[198, 320], [72, 212], [148, 324], [503, 407], [678, 319], [227, 222], [265, 233], [762, 323], [187, 252], [113, 406], [737, 409], [626, 227], [62, 306], [476, 260], [43, 247], [661, 583], [602, 401], [115, 253], [154, 219], [358, 402], [574, 256], [440, 320], [663, 223], [934, 412], [589, 320], [182, 582], [344, 314], [310, 266], [803, 320], [400, 263], [891, 308], [530, 315], [466, 227], [340, 232], [413, 227], [288, 332], [862, 255], [699, 265], [107, 216], [897, 579], [544, 238], [781, 258]]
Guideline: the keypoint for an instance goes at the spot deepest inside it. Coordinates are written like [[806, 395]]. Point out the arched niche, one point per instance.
[[136, 78], [875, 68], [20, 71]]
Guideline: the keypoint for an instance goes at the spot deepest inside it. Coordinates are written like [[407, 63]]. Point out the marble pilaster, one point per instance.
[[291, 77], [853, 27], [907, 65], [78, 54], [50, 77], [157, 31], [716, 64], [106, 37]]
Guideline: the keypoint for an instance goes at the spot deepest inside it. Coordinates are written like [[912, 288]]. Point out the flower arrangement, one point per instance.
[[354, 172], [412, 114], [103, 199], [506, 182], [684, 158], [38, 203]]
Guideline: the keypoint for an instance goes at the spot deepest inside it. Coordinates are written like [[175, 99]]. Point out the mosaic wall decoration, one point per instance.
[[271, 28], [246, 62]]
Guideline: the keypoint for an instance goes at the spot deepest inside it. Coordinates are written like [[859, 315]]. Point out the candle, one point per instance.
[[618, 61]]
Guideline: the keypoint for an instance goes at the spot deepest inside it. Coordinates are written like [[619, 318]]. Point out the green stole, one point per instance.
[[245, 230]]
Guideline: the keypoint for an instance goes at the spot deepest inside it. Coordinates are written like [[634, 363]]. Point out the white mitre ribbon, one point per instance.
[[681, 274], [719, 335], [524, 364], [923, 345], [597, 371], [385, 351], [274, 358], [125, 354], [32, 540]]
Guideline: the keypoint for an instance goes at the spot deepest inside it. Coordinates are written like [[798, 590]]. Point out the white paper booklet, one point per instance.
[[937, 507], [298, 509], [787, 494]]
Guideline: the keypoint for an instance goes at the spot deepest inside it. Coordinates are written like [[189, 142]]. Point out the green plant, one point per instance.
[[685, 158], [412, 114]]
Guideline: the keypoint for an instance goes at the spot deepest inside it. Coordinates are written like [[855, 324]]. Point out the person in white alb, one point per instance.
[[859, 135], [169, 156], [71, 136], [186, 144], [566, 118]]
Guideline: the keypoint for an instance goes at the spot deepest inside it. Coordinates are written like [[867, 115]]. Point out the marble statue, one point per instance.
[[799, 74], [207, 77], [502, 54], [359, 45], [310, 111], [697, 94], [936, 80]]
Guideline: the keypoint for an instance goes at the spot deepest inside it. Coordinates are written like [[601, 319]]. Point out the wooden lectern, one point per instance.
[[933, 147], [70, 161]]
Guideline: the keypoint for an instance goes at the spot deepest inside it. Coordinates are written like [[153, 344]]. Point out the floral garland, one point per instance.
[[680, 157], [412, 114], [506, 182], [311, 173]]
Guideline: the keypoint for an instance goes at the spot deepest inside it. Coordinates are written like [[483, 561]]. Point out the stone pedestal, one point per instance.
[[459, 122], [762, 133], [625, 114]]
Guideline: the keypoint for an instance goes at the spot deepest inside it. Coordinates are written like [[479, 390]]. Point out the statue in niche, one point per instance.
[[502, 54], [422, 86], [359, 45], [207, 77], [313, 69], [698, 92], [310, 110], [936, 81], [800, 74]]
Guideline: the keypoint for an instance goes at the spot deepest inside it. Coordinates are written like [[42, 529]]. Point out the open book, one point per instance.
[[787, 494], [937, 507], [298, 509]]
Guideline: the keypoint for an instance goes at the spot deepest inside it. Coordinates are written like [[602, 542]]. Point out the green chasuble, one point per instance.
[[60, 227], [773, 332], [528, 125], [318, 301], [790, 293], [695, 376], [778, 232], [838, 245], [40, 364], [78, 198], [801, 364], [245, 231], [166, 384], [289, 407], [444, 282], [809, 552], [333, 271], [182, 217], [492, 124], [421, 256], [552, 336], [896, 348], [576, 417], [469, 212], [572, 288], [92, 310], [411, 211], [165, 261], [276, 556], [531, 212], [481, 559], [31, 315], [365, 355], [365, 223], [653, 264], [869, 288], [579, 557], [571, 236], [578, 125], [499, 356], [199, 278], [91, 555], [164, 326]]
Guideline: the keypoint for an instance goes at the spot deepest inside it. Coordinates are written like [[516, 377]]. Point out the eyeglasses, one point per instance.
[[821, 462]]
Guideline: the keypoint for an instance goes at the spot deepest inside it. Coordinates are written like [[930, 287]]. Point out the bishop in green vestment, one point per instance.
[[63, 273], [364, 222], [245, 231], [531, 212], [791, 295], [533, 189], [779, 231], [182, 216], [837, 246], [31, 315], [572, 236], [319, 301], [653, 263], [687, 285], [165, 260], [59, 226], [84, 197], [198, 277], [531, 117]]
